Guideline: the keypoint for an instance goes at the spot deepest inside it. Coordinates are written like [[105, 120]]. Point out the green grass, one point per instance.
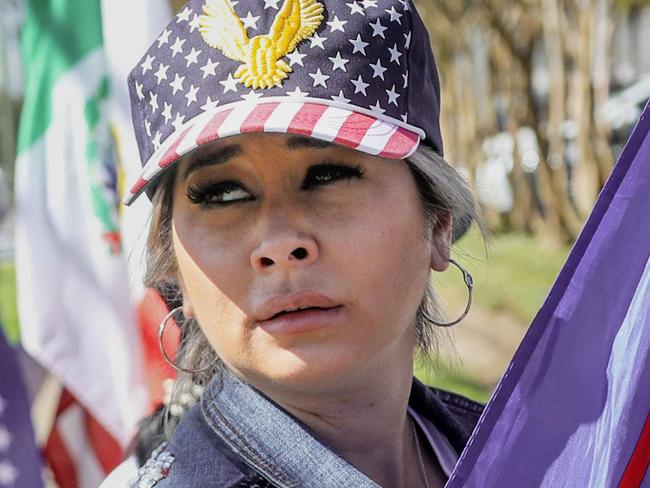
[[8, 310], [514, 277], [445, 377]]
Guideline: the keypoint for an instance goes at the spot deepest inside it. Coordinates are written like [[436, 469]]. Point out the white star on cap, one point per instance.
[[161, 74], [252, 96], [167, 112], [191, 95], [395, 54], [177, 84], [336, 24], [177, 47], [192, 57], [317, 40], [406, 79], [297, 93], [178, 121], [378, 29], [153, 101], [8, 474], [407, 36], [250, 21], [355, 8], [395, 16], [230, 84], [147, 65], [209, 68], [295, 58], [195, 23], [392, 96], [378, 70], [271, 4], [339, 62], [138, 90], [340, 98], [209, 105], [369, 3], [319, 78], [147, 127], [360, 86], [5, 438], [157, 140], [359, 45], [405, 118], [406, 5], [164, 38], [184, 15], [377, 108]]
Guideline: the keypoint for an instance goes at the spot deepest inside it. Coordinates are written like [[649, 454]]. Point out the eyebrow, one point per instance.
[[300, 142], [219, 156]]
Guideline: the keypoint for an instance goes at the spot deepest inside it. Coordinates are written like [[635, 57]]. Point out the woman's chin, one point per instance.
[[306, 369]]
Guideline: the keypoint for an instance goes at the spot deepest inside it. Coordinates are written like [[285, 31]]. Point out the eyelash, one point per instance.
[[321, 174]]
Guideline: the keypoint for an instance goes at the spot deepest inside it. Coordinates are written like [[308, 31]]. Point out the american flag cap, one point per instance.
[[357, 73]]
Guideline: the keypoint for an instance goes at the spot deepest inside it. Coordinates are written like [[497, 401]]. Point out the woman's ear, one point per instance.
[[441, 242]]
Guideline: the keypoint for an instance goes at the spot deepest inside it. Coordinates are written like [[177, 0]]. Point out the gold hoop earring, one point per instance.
[[469, 282], [161, 333]]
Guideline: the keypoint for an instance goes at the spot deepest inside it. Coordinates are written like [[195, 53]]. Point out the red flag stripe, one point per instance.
[[171, 155], [59, 460], [402, 142], [305, 120], [637, 468], [258, 117], [211, 131], [354, 130]]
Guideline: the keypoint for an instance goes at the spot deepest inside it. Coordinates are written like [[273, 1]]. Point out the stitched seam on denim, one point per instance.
[[256, 457], [460, 402]]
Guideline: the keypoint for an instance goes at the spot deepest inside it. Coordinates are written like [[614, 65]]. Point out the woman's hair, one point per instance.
[[443, 192]]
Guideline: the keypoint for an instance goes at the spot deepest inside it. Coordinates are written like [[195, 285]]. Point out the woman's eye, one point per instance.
[[323, 174], [224, 193]]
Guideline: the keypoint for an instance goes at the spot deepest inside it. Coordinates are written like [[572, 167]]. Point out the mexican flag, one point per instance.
[[76, 315]]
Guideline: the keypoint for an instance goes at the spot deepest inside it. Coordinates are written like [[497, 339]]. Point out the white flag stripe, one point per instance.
[[376, 138], [232, 125], [189, 140], [282, 116], [327, 128]]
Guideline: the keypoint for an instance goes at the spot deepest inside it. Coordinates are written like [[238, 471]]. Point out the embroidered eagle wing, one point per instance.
[[222, 29], [297, 20]]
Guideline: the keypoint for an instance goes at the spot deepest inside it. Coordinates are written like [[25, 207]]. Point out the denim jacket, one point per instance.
[[236, 437]]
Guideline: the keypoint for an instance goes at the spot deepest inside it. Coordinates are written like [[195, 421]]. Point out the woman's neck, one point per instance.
[[365, 422]]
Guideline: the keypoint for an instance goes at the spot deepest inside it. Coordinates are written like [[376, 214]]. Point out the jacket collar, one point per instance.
[[272, 442]]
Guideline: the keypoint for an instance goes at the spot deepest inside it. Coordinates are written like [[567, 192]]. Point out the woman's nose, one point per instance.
[[284, 252]]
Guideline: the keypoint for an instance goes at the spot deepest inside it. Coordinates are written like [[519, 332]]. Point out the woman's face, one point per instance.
[[267, 223]]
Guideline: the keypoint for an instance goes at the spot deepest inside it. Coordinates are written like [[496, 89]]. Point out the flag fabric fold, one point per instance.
[[76, 315], [20, 460], [572, 409]]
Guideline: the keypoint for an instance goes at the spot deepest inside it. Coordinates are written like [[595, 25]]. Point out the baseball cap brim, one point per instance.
[[326, 120]]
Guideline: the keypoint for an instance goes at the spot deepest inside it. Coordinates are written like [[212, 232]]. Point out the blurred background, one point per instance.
[[539, 97]]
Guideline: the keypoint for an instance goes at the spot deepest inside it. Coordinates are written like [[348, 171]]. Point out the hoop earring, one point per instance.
[[161, 344], [469, 282]]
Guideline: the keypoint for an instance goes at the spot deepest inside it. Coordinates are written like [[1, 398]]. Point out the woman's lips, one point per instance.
[[300, 321]]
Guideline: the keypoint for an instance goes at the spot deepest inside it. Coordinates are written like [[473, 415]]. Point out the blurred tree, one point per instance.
[[546, 67]]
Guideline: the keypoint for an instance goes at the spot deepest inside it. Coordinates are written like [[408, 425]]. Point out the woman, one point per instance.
[[298, 214]]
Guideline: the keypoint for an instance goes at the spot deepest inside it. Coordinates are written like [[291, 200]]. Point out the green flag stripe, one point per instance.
[[56, 35]]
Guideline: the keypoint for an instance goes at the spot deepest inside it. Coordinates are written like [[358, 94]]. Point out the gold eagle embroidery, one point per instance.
[[262, 66]]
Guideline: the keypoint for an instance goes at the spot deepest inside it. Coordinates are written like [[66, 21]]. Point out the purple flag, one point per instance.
[[572, 409], [20, 462]]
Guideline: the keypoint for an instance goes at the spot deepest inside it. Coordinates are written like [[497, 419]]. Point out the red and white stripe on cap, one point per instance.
[[325, 120]]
